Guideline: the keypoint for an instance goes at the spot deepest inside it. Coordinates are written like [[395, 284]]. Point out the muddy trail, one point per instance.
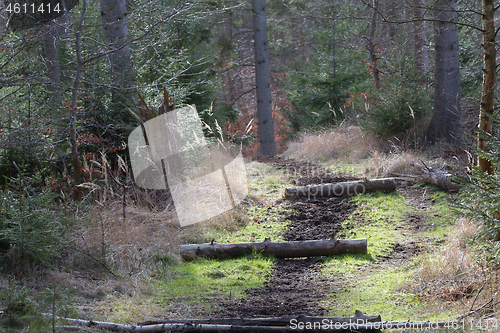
[[297, 286]]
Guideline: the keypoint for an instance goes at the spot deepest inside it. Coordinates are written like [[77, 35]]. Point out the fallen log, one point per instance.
[[183, 327], [292, 327], [359, 318], [343, 188], [297, 249], [439, 178]]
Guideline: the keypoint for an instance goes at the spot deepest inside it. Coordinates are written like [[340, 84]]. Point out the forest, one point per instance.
[[119, 117]]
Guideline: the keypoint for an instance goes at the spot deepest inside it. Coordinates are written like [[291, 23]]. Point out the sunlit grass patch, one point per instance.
[[441, 215], [381, 294], [355, 169], [384, 289], [345, 266], [201, 279], [264, 222], [378, 219], [266, 181]]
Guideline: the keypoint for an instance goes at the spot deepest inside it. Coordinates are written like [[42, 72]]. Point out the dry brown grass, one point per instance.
[[345, 142], [454, 260], [105, 238], [454, 276], [400, 163], [349, 144], [204, 232]]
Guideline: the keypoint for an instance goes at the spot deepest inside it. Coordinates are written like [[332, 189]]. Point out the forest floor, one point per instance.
[[300, 286], [418, 265], [297, 286]]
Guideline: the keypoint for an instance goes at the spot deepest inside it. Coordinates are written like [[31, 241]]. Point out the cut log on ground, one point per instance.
[[439, 178], [343, 188], [359, 318], [294, 326], [298, 249]]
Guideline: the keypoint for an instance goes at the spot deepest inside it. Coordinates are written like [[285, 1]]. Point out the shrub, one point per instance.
[[400, 105], [31, 228]]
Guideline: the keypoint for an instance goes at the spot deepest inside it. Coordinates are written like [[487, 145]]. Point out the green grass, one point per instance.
[[376, 289], [266, 181], [201, 279], [378, 219], [441, 215], [265, 222], [359, 168], [382, 293]]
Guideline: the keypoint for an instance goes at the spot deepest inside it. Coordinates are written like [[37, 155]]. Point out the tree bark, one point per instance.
[[363, 325], [214, 328], [420, 37], [372, 47], [50, 40], [262, 80], [279, 250], [52, 64], [115, 32], [74, 99], [343, 188], [445, 123], [359, 317], [489, 82]]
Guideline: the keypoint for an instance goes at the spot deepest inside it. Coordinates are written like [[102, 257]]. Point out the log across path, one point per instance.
[[359, 317], [298, 249], [298, 323], [343, 188], [359, 323]]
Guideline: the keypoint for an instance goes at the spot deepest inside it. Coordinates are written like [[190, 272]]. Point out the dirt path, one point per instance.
[[297, 287]]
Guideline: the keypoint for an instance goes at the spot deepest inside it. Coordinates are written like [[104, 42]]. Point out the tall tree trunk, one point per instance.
[[372, 47], [445, 123], [115, 33], [420, 37], [489, 81], [74, 99], [50, 40], [262, 80]]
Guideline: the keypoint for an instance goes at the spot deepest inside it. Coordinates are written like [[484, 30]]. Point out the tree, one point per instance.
[[372, 47], [115, 34], [420, 37], [51, 39], [262, 80], [445, 123], [489, 82], [73, 112]]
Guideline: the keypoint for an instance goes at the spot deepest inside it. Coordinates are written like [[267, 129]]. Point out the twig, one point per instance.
[[491, 301], [475, 298], [426, 167], [95, 259]]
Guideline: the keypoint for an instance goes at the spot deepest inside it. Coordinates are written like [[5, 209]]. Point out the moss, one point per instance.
[[201, 279]]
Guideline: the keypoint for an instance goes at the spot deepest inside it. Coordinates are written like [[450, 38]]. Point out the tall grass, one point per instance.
[[350, 143]]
